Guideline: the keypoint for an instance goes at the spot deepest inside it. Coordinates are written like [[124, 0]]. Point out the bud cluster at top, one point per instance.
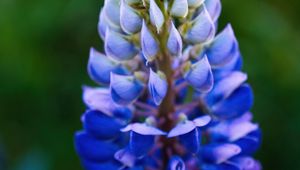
[[171, 91]]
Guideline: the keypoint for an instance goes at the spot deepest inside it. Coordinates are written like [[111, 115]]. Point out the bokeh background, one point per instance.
[[44, 47]]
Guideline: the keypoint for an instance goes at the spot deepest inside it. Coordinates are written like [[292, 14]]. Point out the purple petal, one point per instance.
[[191, 140]]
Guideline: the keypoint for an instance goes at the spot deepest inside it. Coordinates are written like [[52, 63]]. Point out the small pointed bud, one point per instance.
[[125, 89], [118, 47], [148, 43], [142, 138], [130, 21], [195, 3], [156, 16], [223, 48], [202, 29], [219, 153], [157, 86], [176, 163], [179, 8], [199, 75], [100, 66], [112, 11], [214, 8], [174, 42]]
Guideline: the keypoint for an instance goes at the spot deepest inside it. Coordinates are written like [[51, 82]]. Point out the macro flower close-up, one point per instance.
[[149, 85], [171, 93]]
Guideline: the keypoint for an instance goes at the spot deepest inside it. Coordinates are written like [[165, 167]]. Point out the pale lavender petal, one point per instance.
[[148, 43], [179, 8], [174, 41], [130, 21], [118, 47], [156, 16]]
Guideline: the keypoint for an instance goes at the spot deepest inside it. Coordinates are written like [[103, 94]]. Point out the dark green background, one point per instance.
[[44, 48]]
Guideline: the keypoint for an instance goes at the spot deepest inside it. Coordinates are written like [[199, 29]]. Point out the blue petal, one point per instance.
[[223, 48], [191, 140], [239, 102], [139, 144], [225, 87], [90, 165], [202, 29], [92, 149], [104, 24], [130, 21], [100, 125], [125, 89], [214, 8], [95, 98], [148, 43], [112, 11], [234, 65], [176, 163], [250, 143], [232, 130], [100, 66], [223, 166], [156, 16], [174, 42], [200, 75], [179, 8], [158, 86], [118, 47], [195, 3], [219, 153]]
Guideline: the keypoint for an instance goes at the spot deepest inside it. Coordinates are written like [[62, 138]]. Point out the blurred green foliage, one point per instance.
[[44, 48]]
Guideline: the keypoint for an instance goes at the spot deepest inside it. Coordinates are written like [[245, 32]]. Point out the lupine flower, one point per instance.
[[171, 93]]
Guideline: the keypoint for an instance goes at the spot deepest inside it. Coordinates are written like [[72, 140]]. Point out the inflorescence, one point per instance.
[[171, 91]]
